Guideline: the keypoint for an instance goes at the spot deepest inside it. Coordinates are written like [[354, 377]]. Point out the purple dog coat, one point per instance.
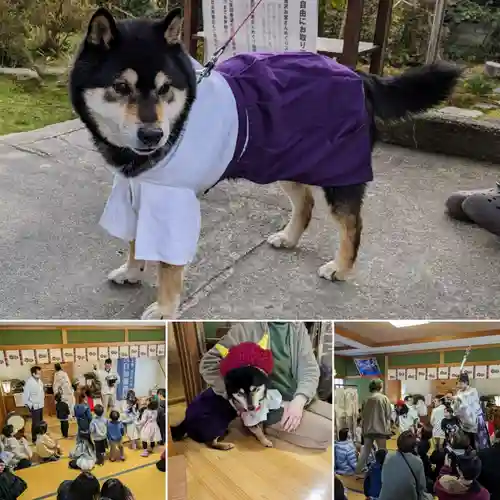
[[302, 118], [208, 416]]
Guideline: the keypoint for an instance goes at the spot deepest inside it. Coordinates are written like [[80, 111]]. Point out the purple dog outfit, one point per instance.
[[261, 117]]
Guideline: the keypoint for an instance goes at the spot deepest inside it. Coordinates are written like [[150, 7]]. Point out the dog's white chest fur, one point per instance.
[[159, 209]]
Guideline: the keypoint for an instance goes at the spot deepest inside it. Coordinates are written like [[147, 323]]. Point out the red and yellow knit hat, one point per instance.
[[255, 354]]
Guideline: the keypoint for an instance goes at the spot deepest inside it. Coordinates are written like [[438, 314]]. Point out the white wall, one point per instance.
[[488, 387], [148, 373]]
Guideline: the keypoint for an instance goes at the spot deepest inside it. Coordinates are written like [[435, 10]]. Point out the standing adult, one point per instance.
[[376, 422], [468, 409], [34, 399], [62, 385], [109, 379]]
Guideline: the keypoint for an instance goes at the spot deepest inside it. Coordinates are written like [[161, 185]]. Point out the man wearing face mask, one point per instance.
[[109, 381], [34, 399]]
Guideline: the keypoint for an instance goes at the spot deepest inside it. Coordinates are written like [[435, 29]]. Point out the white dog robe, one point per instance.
[[159, 209]]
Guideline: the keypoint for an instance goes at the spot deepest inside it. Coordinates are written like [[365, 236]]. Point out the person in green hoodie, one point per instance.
[[305, 420]]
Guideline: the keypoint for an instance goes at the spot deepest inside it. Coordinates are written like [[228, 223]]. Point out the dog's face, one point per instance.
[[246, 387], [132, 82]]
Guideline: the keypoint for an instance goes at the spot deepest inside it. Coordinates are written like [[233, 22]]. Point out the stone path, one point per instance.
[[413, 262]]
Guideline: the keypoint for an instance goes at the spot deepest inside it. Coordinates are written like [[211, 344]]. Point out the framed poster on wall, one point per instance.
[[392, 374], [432, 373], [92, 354], [421, 373], [143, 351], [480, 372], [114, 352], [160, 352], [124, 351], [494, 371], [401, 372], [134, 351], [68, 355], [42, 356], [443, 372], [411, 374], [2, 358], [470, 371], [454, 372], [80, 354], [13, 358], [28, 357], [56, 355]]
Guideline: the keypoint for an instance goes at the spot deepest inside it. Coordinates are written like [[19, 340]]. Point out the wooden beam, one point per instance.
[[349, 334], [68, 327], [60, 346], [439, 338]]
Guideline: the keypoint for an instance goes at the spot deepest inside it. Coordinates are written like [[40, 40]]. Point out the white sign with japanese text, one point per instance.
[[275, 26]]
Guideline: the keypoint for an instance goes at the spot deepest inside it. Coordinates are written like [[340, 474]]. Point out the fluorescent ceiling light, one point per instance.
[[405, 323]]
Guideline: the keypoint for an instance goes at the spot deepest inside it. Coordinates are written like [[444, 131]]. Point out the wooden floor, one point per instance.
[[44, 479], [251, 472]]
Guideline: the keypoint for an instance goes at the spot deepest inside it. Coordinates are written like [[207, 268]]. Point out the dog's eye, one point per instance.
[[163, 90], [122, 88]]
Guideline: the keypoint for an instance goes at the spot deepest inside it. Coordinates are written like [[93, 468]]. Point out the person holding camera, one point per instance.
[[458, 480], [109, 379]]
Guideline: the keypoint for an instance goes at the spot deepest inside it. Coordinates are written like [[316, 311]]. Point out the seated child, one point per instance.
[[373, 478], [116, 431], [62, 412], [11, 486], [461, 483], [345, 454], [131, 419], [150, 431], [46, 447], [83, 456], [18, 447], [114, 489], [99, 433]]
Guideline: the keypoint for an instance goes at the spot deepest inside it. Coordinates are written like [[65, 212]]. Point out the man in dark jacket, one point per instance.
[[161, 420]]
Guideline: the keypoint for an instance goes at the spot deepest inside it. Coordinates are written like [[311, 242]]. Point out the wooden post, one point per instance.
[[191, 22], [352, 33], [382, 25], [437, 28]]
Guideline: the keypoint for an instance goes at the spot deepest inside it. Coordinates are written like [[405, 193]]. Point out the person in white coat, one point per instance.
[[34, 399], [109, 381], [62, 385], [437, 417]]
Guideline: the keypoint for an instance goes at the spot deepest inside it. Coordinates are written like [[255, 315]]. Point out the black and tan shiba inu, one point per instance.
[[134, 87]]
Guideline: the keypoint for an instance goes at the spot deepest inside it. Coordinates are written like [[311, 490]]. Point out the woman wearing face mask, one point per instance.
[[468, 409]]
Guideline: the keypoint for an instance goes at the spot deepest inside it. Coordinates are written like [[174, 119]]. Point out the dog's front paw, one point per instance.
[[155, 311], [330, 271], [281, 240], [126, 275], [267, 443]]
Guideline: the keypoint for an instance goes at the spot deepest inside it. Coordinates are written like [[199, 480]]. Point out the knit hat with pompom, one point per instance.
[[247, 354]]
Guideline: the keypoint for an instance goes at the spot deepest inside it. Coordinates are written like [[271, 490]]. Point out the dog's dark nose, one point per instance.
[[150, 136], [251, 408]]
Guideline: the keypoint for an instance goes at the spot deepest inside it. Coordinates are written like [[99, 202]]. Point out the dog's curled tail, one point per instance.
[[416, 90], [178, 431]]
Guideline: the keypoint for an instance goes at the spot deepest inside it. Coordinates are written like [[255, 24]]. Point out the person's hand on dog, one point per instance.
[[292, 414]]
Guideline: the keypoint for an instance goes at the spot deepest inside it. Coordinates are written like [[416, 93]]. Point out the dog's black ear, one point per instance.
[[102, 29], [172, 26]]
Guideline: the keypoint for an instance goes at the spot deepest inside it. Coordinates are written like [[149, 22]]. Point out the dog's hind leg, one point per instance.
[[345, 204], [258, 432], [131, 272], [219, 445], [302, 202], [170, 283]]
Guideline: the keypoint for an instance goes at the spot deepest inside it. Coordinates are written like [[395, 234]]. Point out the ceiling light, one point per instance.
[[405, 323]]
